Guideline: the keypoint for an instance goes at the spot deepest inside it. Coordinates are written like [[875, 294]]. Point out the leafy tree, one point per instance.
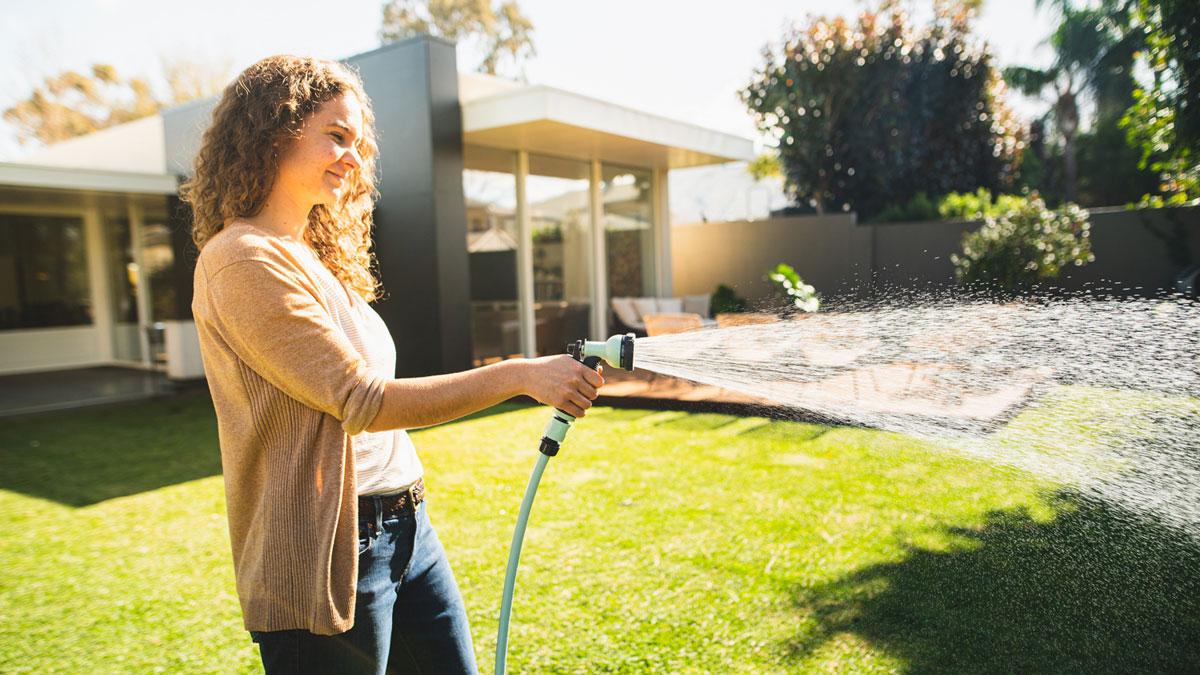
[[871, 113], [502, 31], [1164, 121], [1109, 171], [190, 79], [1094, 51], [1012, 252], [72, 104]]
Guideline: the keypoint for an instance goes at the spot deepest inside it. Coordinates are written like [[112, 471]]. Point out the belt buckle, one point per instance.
[[412, 496]]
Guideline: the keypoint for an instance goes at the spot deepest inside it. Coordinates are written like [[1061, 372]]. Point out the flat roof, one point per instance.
[[552, 121], [64, 178]]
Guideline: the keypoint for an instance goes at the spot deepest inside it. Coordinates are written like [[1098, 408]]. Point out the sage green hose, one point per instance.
[[514, 557], [616, 350]]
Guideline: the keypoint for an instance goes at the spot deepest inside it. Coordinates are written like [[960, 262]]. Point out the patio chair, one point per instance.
[[727, 320], [668, 324]]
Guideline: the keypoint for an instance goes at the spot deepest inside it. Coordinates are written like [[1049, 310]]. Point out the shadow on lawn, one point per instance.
[[81, 457], [1092, 591]]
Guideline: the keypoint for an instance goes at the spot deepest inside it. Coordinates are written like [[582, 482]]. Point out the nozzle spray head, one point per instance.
[[616, 350]]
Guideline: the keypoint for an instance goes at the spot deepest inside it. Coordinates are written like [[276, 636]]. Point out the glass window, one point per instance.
[[560, 216], [159, 258], [490, 190], [628, 231], [43, 272]]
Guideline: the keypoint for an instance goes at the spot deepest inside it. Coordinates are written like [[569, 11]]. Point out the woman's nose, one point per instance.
[[351, 157]]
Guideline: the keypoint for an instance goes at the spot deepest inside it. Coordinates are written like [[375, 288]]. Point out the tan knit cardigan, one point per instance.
[[289, 391]]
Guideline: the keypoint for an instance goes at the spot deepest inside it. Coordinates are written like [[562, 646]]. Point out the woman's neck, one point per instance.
[[282, 216]]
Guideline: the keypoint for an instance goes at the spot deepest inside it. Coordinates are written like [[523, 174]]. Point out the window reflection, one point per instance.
[[560, 215], [628, 231], [124, 280], [43, 272], [490, 190]]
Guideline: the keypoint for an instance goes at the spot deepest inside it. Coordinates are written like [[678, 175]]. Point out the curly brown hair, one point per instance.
[[237, 165]]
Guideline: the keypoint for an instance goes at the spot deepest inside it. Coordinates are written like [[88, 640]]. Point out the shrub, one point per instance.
[[978, 204], [966, 205], [792, 290], [1026, 244], [726, 301]]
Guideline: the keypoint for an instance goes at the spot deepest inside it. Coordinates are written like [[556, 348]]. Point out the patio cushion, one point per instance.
[[623, 308], [697, 304], [670, 306], [645, 306]]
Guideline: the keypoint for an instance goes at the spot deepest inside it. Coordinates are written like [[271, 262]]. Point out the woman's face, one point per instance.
[[313, 167]]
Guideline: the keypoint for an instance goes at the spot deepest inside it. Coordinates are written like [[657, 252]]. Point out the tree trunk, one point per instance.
[[1071, 172], [1068, 124]]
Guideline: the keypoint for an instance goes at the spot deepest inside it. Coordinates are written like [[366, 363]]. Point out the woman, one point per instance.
[[338, 567]]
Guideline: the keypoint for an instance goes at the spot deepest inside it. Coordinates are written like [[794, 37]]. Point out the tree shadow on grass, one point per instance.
[[1094, 590], [81, 457]]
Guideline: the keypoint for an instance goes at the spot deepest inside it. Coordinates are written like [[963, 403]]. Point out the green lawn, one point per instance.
[[660, 542]]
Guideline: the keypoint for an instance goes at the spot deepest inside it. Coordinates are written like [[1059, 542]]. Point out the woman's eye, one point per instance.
[[337, 137]]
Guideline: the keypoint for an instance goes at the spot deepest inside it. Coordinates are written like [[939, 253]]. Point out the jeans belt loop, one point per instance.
[[378, 515], [412, 496]]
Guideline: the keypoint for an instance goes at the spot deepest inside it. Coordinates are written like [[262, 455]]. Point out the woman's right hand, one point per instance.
[[562, 382]]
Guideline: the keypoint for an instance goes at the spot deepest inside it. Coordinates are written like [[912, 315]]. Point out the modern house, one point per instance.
[[509, 215]]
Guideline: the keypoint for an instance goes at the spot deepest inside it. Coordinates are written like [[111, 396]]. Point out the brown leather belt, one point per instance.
[[402, 501]]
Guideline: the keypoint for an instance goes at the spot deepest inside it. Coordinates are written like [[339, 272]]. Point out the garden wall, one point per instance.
[[1138, 253]]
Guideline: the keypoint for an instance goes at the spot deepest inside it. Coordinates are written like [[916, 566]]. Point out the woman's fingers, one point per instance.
[[570, 386], [593, 378]]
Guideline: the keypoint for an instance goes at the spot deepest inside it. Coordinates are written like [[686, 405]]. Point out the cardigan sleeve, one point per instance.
[[269, 315]]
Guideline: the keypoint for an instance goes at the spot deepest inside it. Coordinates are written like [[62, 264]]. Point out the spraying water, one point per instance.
[[1099, 395]]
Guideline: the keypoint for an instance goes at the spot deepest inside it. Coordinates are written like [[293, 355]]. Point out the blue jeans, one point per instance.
[[408, 618]]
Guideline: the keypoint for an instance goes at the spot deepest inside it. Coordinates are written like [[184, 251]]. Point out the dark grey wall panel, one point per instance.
[[420, 219], [183, 127]]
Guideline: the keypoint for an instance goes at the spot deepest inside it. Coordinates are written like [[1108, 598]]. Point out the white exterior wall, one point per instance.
[[136, 146], [34, 349]]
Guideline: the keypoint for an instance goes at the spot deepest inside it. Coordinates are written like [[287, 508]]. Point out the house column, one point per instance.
[[599, 319], [526, 311], [661, 209], [144, 310], [98, 279], [421, 216]]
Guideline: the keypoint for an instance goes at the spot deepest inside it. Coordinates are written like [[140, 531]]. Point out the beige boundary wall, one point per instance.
[[1138, 253]]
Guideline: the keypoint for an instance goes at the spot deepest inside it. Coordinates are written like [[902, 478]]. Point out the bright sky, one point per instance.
[[682, 59]]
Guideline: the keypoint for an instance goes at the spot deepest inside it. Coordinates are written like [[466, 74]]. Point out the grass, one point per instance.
[[661, 542]]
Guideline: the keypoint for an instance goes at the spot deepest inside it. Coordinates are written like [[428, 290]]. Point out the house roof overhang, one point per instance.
[[61, 178], [551, 121]]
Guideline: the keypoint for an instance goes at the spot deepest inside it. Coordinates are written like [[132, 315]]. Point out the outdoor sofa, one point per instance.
[[630, 311]]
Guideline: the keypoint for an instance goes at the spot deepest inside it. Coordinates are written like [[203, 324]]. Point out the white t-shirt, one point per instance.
[[385, 461]]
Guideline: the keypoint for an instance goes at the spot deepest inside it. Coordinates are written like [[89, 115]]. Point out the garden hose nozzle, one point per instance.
[[617, 351]]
